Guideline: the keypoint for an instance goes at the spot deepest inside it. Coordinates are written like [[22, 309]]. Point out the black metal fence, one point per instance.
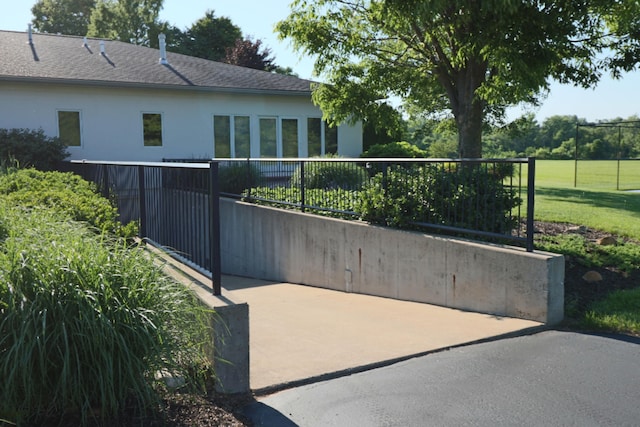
[[490, 198], [176, 206]]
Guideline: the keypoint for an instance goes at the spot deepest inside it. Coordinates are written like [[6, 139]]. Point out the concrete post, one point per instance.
[[230, 353]]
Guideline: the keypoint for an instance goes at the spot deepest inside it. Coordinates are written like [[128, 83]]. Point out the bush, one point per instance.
[[235, 178], [330, 175], [66, 193], [84, 326], [327, 202], [30, 148], [467, 197], [400, 149]]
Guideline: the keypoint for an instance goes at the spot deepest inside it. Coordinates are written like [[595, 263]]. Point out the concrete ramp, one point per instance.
[[300, 334]]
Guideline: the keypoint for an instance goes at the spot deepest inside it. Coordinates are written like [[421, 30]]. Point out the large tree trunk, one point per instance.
[[467, 109], [469, 122]]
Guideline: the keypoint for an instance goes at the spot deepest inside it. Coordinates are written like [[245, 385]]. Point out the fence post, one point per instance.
[[302, 195], [105, 181], [214, 228], [531, 190], [143, 203]]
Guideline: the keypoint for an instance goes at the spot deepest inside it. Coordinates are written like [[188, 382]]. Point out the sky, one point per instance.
[[609, 100]]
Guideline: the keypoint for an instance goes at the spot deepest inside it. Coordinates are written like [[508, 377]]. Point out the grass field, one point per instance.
[[594, 202], [591, 174]]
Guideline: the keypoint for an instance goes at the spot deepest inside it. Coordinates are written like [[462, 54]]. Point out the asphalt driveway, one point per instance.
[[551, 378]]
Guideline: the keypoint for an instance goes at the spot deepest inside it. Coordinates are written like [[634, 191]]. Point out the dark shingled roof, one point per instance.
[[65, 59]]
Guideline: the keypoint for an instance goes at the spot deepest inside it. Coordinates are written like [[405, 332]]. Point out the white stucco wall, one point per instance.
[[111, 119]]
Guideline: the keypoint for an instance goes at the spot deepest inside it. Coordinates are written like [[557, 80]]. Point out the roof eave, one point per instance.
[[137, 85]]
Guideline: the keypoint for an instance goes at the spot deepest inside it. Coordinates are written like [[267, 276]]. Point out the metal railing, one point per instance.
[[176, 206], [487, 198]]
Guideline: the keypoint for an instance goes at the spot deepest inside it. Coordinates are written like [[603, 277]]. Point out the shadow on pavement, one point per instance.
[[265, 416]]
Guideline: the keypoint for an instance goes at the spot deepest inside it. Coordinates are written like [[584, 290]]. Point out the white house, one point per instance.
[[111, 100]]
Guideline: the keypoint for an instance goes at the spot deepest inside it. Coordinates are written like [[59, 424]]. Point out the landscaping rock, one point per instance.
[[607, 241], [592, 277], [578, 229]]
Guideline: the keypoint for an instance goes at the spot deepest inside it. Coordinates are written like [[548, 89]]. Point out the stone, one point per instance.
[[592, 277], [578, 229], [607, 241]]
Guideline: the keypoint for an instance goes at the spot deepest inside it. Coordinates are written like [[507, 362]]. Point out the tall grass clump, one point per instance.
[[85, 324]]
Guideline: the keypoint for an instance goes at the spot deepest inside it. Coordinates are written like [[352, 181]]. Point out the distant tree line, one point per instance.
[[137, 21], [554, 138]]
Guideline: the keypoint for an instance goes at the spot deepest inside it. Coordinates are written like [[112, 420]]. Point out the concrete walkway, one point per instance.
[[299, 333]]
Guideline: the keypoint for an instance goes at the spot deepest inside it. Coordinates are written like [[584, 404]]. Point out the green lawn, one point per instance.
[[596, 203], [591, 203]]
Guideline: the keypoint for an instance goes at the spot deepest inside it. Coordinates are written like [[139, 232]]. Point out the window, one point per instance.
[[152, 129], [314, 137], [321, 138], [268, 137], [69, 128], [231, 128], [221, 136], [330, 139], [289, 138], [242, 136]]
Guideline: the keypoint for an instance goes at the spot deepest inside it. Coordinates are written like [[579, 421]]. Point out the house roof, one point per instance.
[[65, 59]]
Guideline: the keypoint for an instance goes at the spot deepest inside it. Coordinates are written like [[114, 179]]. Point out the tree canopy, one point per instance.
[[130, 21], [136, 21], [210, 36], [70, 17], [468, 58]]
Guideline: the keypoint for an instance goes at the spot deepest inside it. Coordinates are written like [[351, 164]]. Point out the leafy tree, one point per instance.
[[210, 36], [247, 53], [130, 21], [70, 17], [467, 57]]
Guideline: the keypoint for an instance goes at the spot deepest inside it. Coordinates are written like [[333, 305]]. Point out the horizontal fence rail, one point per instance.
[[487, 198], [176, 206]]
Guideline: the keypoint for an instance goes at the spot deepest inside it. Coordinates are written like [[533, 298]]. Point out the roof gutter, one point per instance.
[[129, 85]]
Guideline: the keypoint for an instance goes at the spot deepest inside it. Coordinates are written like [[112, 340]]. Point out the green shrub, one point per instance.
[[467, 197], [30, 148], [400, 149], [66, 193], [85, 326], [326, 200], [330, 175], [235, 178]]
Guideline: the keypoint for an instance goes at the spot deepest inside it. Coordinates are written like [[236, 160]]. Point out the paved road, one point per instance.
[[551, 378]]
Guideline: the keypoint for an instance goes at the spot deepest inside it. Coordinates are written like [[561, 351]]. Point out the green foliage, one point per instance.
[[466, 197], [210, 36], [624, 256], [330, 175], [619, 312], [235, 178], [400, 149], [69, 17], [462, 57], [129, 21], [66, 193], [85, 325], [30, 148], [326, 200]]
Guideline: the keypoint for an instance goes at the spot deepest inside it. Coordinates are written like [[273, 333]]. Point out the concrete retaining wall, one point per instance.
[[294, 247]]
